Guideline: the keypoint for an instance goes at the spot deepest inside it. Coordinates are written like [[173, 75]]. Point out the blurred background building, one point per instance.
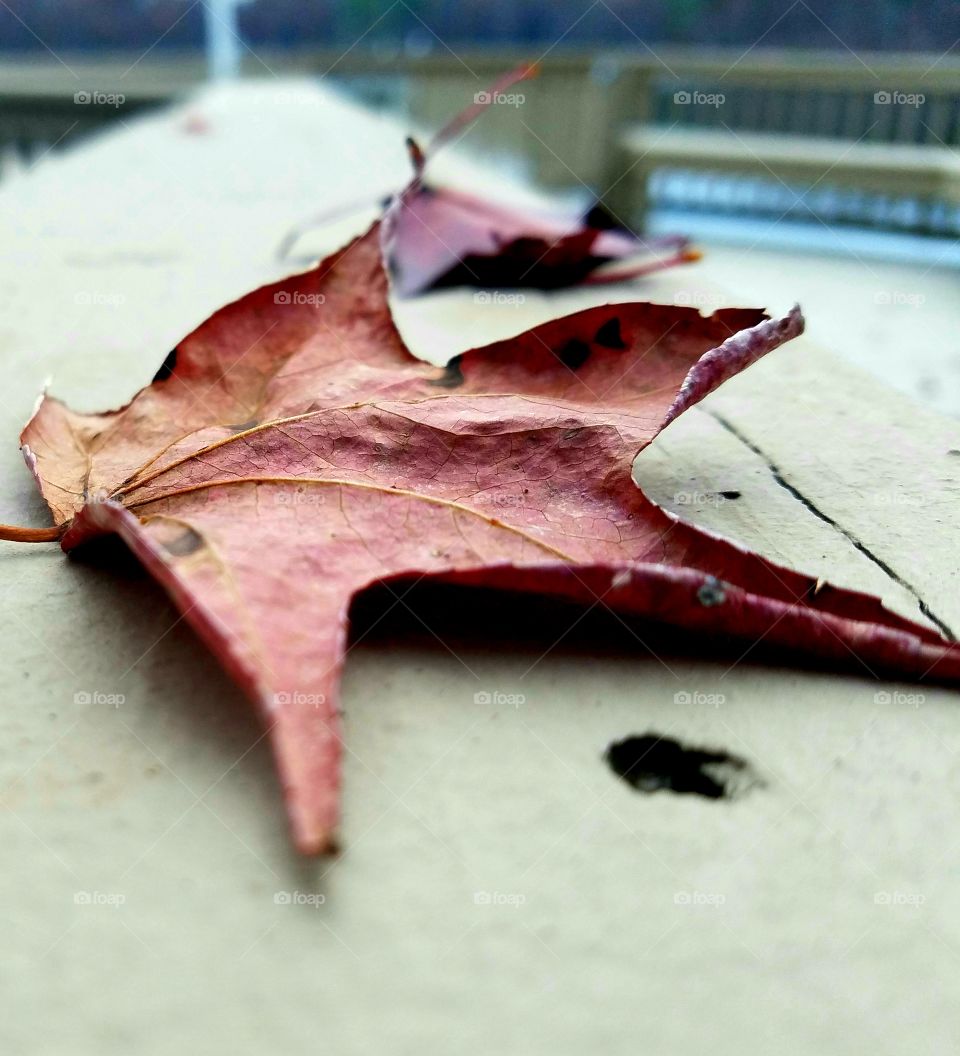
[[170, 25], [711, 115]]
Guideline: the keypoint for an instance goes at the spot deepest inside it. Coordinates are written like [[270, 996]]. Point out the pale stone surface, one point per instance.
[[817, 914]]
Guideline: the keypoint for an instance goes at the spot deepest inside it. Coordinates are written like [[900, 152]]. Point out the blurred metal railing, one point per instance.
[[889, 99], [591, 118], [869, 141]]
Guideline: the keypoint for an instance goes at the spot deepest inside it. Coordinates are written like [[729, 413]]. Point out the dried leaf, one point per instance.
[[441, 237], [292, 452], [448, 238]]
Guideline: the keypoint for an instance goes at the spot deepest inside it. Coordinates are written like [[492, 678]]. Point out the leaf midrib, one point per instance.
[[133, 482]]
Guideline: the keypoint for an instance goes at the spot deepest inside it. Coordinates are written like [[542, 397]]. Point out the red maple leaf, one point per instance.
[[292, 452], [443, 237]]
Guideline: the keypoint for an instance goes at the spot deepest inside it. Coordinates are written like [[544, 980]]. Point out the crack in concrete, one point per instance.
[[858, 544]]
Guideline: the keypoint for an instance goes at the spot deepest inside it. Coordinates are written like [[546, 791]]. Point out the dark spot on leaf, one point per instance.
[[524, 263], [574, 353], [187, 543], [609, 334], [650, 763], [711, 592], [600, 218], [452, 375], [730, 494], [167, 366], [242, 427]]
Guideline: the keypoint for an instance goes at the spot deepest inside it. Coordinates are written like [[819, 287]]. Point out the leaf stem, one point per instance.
[[30, 535]]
